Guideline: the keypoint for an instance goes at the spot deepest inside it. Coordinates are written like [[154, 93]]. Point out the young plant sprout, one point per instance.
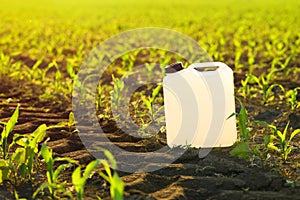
[[265, 86]]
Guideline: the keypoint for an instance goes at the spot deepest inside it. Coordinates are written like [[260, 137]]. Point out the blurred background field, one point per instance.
[[38, 29]]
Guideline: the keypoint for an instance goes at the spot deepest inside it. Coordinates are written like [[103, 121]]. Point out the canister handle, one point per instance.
[[207, 66]]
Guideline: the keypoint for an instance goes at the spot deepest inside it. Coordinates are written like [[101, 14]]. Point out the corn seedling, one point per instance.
[[149, 102], [53, 184], [291, 98], [263, 83], [79, 180], [164, 60], [34, 74], [70, 123], [237, 58], [99, 96], [16, 195], [22, 160], [262, 152], [9, 126], [284, 147], [116, 184], [150, 68], [19, 74], [128, 60], [83, 86], [26, 155], [246, 90], [53, 64], [283, 66], [73, 77], [242, 123], [71, 71], [251, 61], [4, 62], [116, 93], [242, 148], [54, 90]]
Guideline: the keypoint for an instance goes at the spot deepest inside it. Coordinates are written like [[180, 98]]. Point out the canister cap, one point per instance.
[[175, 67]]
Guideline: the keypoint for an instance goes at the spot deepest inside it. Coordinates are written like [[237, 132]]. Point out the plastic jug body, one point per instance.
[[198, 101]]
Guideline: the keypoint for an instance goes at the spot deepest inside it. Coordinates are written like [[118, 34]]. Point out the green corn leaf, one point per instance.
[[59, 169], [253, 78], [99, 90], [19, 155], [242, 120], [10, 124], [16, 138], [58, 125], [31, 160], [159, 109], [271, 98], [270, 75], [36, 65], [40, 133], [289, 93], [4, 170], [156, 91], [272, 146], [273, 128], [78, 182], [17, 196], [71, 119], [147, 103], [23, 141], [65, 159], [104, 176], [287, 153], [280, 136], [76, 176], [241, 150], [286, 62], [111, 159], [294, 133], [40, 188], [107, 177], [273, 86], [117, 187], [57, 75], [52, 64], [7, 130], [251, 60], [89, 168], [285, 132], [256, 149], [267, 140], [3, 123], [70, 70], [47, 155], [260, 122], [22, 170]]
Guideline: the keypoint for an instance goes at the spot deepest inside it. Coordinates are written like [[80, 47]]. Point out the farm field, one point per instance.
[[43, 47]]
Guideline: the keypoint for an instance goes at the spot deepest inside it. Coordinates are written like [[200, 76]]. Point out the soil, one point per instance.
[[217, 176]]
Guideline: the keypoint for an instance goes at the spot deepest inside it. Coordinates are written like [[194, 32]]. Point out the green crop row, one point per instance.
[[22, 158]]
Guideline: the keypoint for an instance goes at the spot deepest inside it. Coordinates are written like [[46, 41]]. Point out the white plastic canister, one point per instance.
[[198, 101]]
